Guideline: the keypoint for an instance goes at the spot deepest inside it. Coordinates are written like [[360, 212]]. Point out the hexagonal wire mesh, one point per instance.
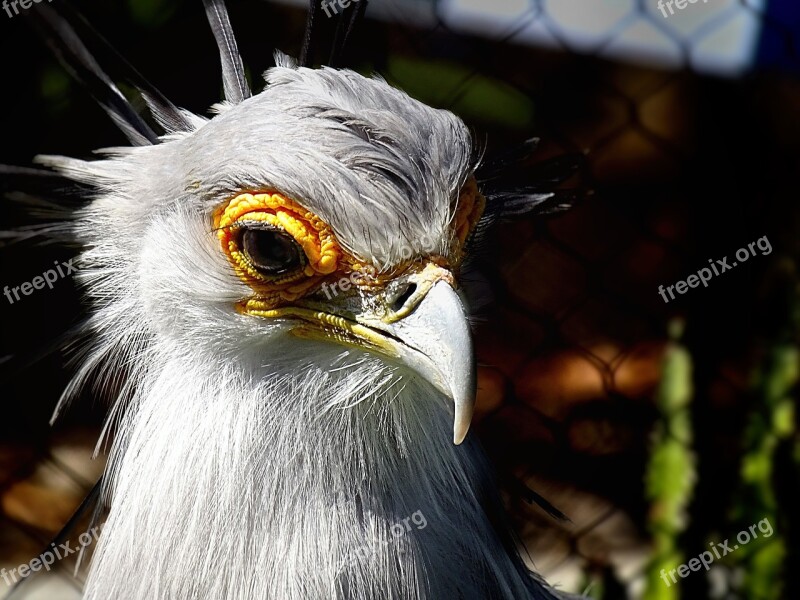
[[578, 373]]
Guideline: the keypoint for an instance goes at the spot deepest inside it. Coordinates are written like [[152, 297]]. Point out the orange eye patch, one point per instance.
[[469, 209], [321, 253], [283, 251]]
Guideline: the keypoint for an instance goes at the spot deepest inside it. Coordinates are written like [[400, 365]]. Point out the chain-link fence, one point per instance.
[[657, 422]]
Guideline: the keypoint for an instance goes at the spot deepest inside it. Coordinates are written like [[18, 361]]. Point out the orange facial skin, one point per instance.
[[324, 258]]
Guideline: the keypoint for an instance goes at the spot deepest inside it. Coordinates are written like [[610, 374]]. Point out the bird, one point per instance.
[[278, 298]]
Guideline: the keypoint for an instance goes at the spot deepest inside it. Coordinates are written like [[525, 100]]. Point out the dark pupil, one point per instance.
[[270, 251]]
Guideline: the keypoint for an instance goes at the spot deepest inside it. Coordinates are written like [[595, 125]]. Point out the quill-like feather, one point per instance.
[[344, 28], [65, 43], [169, 116], [233, 78], [309, 39]]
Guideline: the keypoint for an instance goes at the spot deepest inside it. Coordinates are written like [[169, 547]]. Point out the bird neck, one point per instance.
[[339, 482]]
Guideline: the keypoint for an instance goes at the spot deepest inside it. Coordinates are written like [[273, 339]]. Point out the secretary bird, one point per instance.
[[282, 286]]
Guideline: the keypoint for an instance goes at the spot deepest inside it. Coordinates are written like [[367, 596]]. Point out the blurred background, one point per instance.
[[656, 428]]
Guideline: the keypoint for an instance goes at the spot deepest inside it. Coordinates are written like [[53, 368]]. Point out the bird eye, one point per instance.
[[271, 251], [275, 246]]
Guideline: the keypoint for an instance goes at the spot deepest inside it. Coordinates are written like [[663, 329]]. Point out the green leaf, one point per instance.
[[471, 95]]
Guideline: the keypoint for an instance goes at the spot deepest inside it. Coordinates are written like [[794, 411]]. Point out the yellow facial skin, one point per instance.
[[324, 258], [321, 251]]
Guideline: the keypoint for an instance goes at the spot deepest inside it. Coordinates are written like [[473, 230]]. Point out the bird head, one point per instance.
[[329, 211]]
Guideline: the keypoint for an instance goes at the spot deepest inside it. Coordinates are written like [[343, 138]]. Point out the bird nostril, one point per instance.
[[401, 300]]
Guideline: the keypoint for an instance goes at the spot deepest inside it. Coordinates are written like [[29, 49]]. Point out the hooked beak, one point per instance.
[[435, 341], [429, 333]]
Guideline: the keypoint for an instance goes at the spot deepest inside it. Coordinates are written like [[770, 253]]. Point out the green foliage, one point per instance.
[[669, 483], [656, 588], [670, 475], [477, 96], [55, 86], [771, 423], [763, 571], [151, 13]]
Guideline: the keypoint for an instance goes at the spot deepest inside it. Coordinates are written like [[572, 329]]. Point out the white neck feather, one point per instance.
[[274, 485]]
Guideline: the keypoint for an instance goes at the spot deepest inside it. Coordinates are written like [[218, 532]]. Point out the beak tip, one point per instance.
[[464, 398], [460, 431]]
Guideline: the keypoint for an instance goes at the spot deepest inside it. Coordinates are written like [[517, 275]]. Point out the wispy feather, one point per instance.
[[233, 77]]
